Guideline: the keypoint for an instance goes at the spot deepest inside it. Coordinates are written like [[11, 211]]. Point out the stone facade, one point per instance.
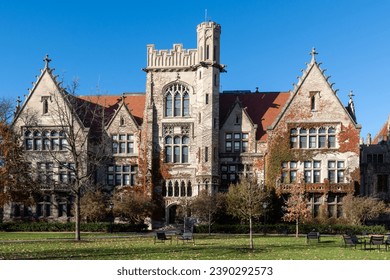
[[183, 135], [315, 142], [375, 164]]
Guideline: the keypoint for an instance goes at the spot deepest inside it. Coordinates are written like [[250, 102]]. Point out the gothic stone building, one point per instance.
[[183, 135], [375, 164]]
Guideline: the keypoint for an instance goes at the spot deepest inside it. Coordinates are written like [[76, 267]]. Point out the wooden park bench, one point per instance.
[[313, 235], [161, 237]]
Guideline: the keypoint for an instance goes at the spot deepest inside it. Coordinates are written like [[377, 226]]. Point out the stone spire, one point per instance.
[[351, 105]]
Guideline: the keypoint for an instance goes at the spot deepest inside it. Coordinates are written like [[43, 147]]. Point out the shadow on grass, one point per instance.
[[235, 247]]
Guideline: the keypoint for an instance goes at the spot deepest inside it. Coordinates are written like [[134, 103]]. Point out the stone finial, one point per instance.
[[313, 54], [368, 139], [17, 108], [350, 94], [47, 61]]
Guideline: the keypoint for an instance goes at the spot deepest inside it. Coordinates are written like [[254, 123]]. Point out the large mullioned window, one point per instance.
[[177, 101], [313, 138], [176, 149], [37, 140]]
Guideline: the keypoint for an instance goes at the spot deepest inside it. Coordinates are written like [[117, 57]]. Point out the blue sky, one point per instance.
[[264, 44]]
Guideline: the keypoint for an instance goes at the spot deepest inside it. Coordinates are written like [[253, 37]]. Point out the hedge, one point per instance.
[[290, 229], [59, 227]]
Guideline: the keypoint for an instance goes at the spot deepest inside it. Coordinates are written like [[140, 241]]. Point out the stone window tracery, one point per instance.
[[177, 101], [177, 189]]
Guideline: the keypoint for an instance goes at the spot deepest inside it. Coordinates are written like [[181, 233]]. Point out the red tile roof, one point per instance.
[[382, 134], [262, 108], [135, 103]]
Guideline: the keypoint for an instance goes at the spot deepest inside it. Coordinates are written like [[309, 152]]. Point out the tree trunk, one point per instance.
[[209, 223], [296, 228], [250, 234], [77, 216]]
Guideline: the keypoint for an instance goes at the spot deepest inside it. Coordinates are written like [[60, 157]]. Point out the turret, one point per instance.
[[209, 42]]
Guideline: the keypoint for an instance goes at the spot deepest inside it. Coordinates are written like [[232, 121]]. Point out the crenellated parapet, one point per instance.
[[174, 58]]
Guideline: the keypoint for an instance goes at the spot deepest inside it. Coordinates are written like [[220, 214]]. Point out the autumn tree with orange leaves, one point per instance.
[[296, 207], [16, 184]]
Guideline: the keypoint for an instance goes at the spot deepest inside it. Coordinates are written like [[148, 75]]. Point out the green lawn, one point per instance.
[[52, 246]]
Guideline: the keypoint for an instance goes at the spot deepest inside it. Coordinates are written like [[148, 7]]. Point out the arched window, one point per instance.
[[168, 105], [177, 101], [164, 189], [186, 104], [182, 189], [170, 189], [28, 140], [189, 189], [176, 190], [37, 140]]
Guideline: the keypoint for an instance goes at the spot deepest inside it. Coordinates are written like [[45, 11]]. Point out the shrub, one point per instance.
[[60, 227], [290, 228]]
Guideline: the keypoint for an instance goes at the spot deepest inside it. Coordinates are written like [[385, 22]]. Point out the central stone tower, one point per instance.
[[181, 120]]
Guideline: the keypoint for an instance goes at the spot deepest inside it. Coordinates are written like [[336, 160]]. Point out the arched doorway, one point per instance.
[[172, 214]]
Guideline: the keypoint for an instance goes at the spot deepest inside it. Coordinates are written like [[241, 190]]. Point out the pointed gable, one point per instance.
[[123, 117], [135, 103], [43, 99], [314, 100], [261, 108]]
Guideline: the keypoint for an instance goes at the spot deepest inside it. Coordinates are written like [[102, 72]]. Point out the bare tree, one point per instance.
[[296, 207], [80, 149], [359, 209], [131, 204], [5, 110], [93, 206], [245, 200], [206, 206]]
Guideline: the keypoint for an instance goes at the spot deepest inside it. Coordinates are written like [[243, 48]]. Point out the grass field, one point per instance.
[[60, 246]]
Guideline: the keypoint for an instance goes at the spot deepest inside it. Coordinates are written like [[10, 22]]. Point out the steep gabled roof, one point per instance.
[[383, 134], [121, 105], [310, 66], [134, 102], [262, 108], [46, 71]]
